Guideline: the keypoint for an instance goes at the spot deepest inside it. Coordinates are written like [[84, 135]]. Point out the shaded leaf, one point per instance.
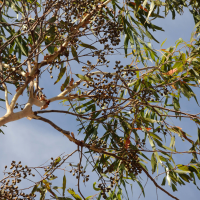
[[64, 85], [64, 184], [141, 187], [174, 188], [87, 46], [74, 53], [51, 20], [164, 181], [60, 75]]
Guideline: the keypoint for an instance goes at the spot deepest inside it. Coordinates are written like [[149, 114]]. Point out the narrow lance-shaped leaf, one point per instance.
[[141, 187], [150, 11], [76, 196], [64, 184], [168, 177], [164, 181], [96, 189], [126, 44], [64, 85], [87, 46], [153, 163], [174, 187], [74, 53], [60, 75], [198, 140], [172, 143], [84, 78]]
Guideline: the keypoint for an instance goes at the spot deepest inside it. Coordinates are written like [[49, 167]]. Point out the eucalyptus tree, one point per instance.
[[71, 41]]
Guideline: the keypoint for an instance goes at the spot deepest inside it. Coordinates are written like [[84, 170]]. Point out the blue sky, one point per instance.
[[33, 142]]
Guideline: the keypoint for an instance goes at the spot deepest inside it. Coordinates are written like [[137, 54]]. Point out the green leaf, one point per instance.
[[76, 196], [152, 143], [87, 46], [172, 143], [50, 49], [74, 53], [150, 120], [34, 189], [178, 65], [56, 161], [176, 103], [185, 177], [174, 188], [164, 181], [89, 197], [163, 158], [64, 184], [119, 194], [51, 20], [155, 136], [84, 78], [198, 140], [126, 44], [56, 188], [22, 46], [163, 42], [64, 85], [181, 172], [141, 187], [96, 189], [60, 75], [183, 167], [2, 132], [85, 104], [180, 40], [165, 147], [153, 163]]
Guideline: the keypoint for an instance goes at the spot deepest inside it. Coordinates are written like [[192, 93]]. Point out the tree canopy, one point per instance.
[[98, 60]]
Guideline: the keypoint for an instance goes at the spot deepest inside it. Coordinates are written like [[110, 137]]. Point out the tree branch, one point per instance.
[[6, 98], [9, 117], [54, 125], [31, 82]]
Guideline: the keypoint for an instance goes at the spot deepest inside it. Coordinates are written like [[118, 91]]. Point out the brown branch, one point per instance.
[[100, 150], [78, 142], [145, 171], [52, 124]]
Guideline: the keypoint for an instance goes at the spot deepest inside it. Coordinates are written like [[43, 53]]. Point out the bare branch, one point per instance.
[[31, 82], [6, 98], [9, 117]]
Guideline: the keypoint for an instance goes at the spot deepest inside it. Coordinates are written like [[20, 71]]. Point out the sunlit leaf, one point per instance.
[[76, 196], [96, 189], [84, 78]]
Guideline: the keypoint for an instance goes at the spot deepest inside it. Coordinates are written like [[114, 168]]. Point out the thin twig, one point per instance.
[[145, 171], [79, 168]]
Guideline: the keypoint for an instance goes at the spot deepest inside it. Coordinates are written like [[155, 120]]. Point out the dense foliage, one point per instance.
[[122, 109]]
